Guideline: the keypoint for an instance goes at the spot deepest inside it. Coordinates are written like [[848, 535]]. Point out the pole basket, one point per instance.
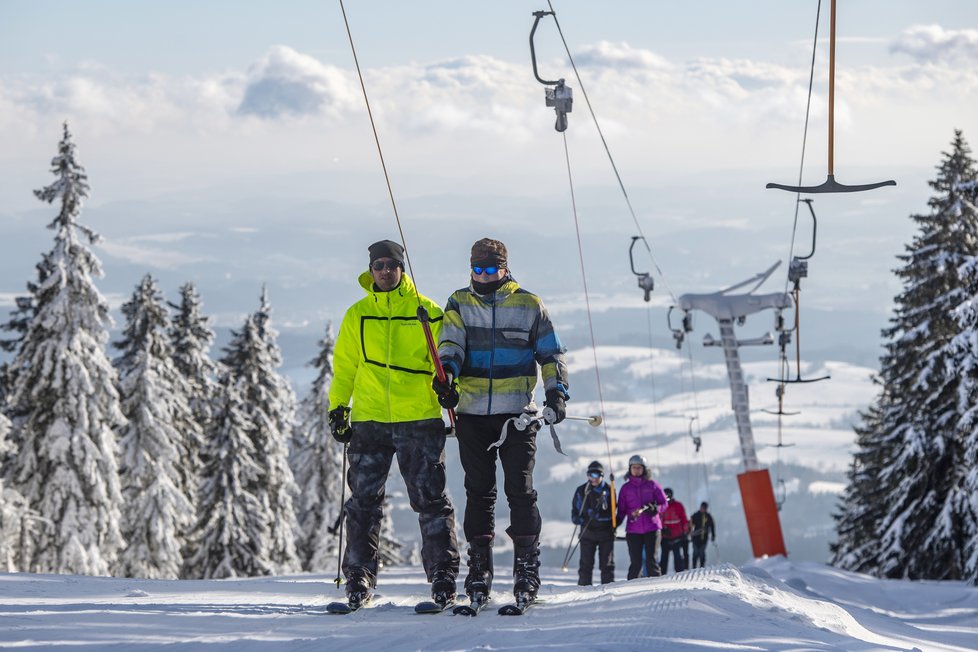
[[761, 511]]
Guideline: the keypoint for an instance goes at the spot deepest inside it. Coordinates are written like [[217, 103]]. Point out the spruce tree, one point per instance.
[[963, 363], [64, 396], [920, 431], [862, 505], [157, 512], [389, 549], [317, 463], [272, 409], [190, 340], [231, 534], [18, 523]]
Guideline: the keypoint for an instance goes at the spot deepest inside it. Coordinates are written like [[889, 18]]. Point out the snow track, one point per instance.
[[768, 605]]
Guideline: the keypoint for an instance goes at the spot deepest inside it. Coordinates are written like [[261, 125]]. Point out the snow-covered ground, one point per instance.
[[772, 604]]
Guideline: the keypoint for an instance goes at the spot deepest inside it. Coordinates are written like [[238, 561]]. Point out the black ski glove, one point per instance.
[[556, 401], [446, 391], [339, 424]]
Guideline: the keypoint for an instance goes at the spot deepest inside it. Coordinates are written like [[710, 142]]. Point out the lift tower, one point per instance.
[[756, 491]]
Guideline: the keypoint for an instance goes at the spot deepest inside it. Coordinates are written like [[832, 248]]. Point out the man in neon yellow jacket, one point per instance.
[[381, 361]]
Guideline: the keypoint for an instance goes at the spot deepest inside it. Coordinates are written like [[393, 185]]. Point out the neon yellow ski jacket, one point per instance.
[[381, 358]]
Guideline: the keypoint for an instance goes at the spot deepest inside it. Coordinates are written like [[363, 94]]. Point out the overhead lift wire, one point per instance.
[[607, 150], [783, 367], [423, 317]]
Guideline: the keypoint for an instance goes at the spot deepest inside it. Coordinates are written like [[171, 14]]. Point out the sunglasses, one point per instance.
[[594, 474], [378, 265], [486, 270]]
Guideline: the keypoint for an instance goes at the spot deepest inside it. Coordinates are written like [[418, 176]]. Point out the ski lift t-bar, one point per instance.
[[559, 97]]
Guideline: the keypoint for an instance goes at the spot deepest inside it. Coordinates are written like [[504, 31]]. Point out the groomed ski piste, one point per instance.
[[772, 604]]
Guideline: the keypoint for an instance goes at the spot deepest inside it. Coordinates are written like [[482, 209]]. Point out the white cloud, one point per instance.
[[933, 43], [156, 258], [285, 82]]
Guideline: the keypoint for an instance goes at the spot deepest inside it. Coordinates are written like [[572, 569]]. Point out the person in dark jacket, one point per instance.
[[640, 501], [495, 338], [703, 530], [591, 510]]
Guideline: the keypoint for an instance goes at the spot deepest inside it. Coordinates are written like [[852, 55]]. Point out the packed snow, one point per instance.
[[770, 604]]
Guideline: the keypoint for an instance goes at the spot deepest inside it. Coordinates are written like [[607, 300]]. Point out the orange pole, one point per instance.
[[761, 511]]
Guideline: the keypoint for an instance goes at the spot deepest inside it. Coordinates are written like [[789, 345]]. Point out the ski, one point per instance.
[[523, 602], [433, 607], [474, 606]]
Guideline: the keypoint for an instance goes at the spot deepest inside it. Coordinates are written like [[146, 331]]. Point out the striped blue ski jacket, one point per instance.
[[493, 343]]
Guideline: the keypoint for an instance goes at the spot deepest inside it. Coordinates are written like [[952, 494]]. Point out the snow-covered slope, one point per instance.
[[772, 604]]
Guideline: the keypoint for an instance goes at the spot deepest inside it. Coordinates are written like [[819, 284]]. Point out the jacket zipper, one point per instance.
[[492, 353]]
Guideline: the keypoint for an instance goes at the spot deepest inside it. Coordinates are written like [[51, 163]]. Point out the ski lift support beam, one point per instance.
[[757, 494]]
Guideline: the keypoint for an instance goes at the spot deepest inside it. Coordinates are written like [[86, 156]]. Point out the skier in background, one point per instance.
[[675, 527], [591, 510], [640, 501], [381, 361], [703, 529]]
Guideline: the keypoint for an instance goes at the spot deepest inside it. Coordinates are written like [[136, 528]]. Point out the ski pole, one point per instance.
[[425, 318], [339, 545], [567, 555]]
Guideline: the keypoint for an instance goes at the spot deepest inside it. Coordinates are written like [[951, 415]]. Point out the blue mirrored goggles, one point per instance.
[[485, 270], [595, 474]]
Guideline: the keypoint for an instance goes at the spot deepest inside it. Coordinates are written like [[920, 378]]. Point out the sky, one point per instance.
[[771, 604], [168, 97]]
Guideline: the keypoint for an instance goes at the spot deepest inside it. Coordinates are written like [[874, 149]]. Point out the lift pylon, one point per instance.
[[756, 491]]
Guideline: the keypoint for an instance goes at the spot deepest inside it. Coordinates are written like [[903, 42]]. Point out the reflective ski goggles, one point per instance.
[[595, 474], [378, 265], [485, 270]]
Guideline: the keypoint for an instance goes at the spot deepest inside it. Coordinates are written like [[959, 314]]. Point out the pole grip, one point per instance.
[[425, 318]]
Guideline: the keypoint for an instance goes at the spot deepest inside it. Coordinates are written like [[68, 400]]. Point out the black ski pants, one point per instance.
[[699, 552], [675, 546], [603, 542], [420, 450], [642, 547], [517, 455]]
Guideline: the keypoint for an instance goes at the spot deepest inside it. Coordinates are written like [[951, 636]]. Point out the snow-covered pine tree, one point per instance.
[[65, 390], [963, 362], [317, 464], [862, 506], [920, 531], [16, 518], [190, 340], [278, 400], [390, 550], [253, 357], [157, 513], [231, 535]]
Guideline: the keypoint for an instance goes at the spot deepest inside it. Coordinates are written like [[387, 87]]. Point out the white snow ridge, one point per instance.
[[772, 604]]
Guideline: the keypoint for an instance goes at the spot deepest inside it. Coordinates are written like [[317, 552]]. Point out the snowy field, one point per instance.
[[773, 604]]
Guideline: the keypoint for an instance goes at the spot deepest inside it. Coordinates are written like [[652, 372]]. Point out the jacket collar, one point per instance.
[[509, 287], [404, 289]]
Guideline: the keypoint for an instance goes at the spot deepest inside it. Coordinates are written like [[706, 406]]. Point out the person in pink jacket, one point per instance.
[[640, 501]]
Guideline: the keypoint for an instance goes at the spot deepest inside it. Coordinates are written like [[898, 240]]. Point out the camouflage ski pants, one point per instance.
[[420, 450]]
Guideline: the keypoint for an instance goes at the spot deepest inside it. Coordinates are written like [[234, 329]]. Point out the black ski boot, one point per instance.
[[358, 588], [479, 580], [526, 568], [443, 587]]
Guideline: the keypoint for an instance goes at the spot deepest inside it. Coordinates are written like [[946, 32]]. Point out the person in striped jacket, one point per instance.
[[494, 337]]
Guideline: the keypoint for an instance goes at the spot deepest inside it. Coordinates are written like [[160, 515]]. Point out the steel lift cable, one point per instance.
[[423, 316]]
